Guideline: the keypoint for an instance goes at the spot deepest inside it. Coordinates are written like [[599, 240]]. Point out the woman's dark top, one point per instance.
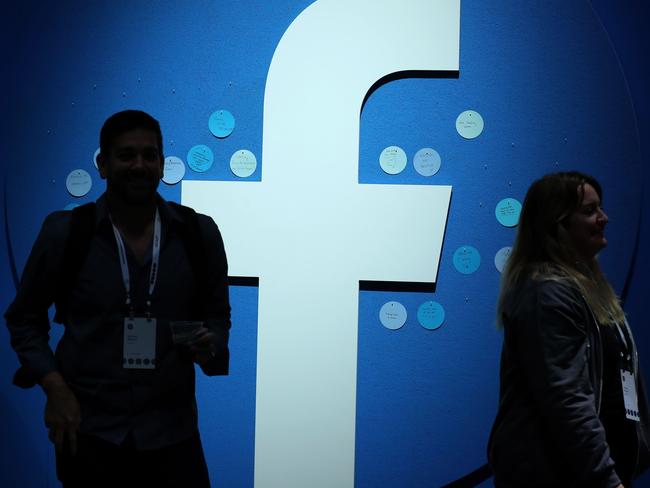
[[620, 431]]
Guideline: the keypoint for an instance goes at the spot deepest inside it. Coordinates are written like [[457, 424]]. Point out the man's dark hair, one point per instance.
[[125, 121]]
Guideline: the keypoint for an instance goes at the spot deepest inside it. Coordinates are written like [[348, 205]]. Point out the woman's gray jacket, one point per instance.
[[547, 431]]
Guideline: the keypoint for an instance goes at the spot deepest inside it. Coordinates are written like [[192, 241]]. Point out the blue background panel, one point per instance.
[[560, 85]]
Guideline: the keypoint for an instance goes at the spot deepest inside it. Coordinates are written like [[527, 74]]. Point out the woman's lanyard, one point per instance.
[[625, 356], [124, 264]]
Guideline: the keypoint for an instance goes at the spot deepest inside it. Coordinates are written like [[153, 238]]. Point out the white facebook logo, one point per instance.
[[311, 232]]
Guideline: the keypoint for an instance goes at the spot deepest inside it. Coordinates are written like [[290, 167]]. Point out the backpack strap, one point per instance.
[[77, 245], [190, 233], [82, 229]]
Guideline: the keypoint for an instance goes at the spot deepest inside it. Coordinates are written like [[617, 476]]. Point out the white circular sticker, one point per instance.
[[95, 157], [78, 183], [501, 257], [243, 163], [427, 161], [393, 160], [469, 124], [174, 170], [392, 315]]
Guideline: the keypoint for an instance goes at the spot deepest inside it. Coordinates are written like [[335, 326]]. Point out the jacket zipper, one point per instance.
[[600, 364], [600, 355]]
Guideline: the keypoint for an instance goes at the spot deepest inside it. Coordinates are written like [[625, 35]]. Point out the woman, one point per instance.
[[563, 419]]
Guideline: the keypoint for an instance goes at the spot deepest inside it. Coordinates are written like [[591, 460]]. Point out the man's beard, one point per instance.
[[136, 190]]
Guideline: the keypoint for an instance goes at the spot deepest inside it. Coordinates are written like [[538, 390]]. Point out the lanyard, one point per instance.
[[627, 354], [124, 264], [620, 334]]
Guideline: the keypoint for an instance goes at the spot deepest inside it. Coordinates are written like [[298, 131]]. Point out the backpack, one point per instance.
[[77, 245]]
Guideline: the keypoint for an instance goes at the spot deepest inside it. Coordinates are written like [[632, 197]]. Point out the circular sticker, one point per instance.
[[431, 315], [200, 158], [427, 161], [507, 212], [221, 123], [393, 160], [72, 205], [467, 259], [469, 124], [95, 157], [78, 183], [174, 170], [501, 257], [392, 315], [243, 163]]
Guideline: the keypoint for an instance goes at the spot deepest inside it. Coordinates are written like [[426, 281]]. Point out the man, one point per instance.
[[120, 408]]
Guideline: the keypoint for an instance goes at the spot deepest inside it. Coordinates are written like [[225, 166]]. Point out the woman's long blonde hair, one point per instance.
[[543, 249]]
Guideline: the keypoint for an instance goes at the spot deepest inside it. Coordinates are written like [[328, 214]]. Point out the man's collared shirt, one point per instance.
[[157, 406]]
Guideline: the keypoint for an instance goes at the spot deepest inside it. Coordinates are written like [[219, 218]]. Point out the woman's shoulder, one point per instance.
[[545, 291], [552, 284], [547, 283]]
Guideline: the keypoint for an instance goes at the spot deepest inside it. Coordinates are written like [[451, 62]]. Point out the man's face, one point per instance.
[[134, 166]]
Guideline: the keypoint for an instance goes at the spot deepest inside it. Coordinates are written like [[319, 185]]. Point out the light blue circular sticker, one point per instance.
[[393, 160], [200, 158], [467, 259], [501, 258], [95, 157], [431, 315], [507, 212], [221, 123], [174, 170], [469, 124], [392, 315], [70, 206], [427, 161], [243, 163], [78, 183]]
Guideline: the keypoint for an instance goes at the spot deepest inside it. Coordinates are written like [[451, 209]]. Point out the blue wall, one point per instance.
[[560, 84]]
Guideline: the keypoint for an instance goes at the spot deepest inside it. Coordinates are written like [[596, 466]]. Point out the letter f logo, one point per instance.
[[311, 232]]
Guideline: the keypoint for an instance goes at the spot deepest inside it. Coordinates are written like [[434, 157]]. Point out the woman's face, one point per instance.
[[587, 223]]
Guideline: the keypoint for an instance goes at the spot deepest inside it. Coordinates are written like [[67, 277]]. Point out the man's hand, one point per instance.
[[203, 345], [62, 412]]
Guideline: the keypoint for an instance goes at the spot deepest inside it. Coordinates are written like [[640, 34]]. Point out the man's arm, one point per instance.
[[62, 411], [210, 346], [28, 324], [27, 316]]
